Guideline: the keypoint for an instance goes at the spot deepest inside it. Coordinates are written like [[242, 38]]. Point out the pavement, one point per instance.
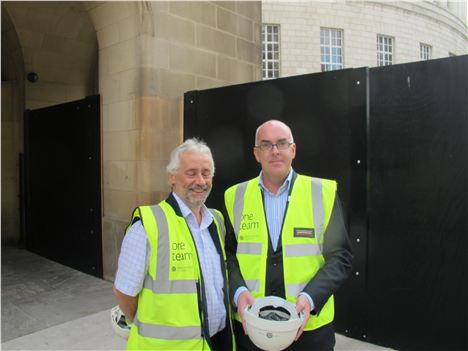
[[49, 306]]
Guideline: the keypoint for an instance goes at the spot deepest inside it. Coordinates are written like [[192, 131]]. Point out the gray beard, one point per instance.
[[197, 202]]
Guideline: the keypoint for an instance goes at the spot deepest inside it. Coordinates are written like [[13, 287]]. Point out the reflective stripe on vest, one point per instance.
[[253, 285], [295, 289], [239, 207], [298, 250], [249, 248], [318, 214], [220, 222], [318, 210], [167, 332], [162, 284]]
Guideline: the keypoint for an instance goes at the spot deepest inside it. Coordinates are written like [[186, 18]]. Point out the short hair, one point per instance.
[[189, 145], [275, 121]]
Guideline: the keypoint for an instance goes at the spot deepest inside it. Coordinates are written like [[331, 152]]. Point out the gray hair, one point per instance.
[[189, 145]]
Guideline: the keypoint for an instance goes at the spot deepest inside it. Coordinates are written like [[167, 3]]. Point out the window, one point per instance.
[[271, 51], [331, 49], [425, 51], [385, 50]]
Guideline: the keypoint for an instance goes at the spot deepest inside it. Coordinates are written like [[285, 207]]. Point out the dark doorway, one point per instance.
[[62, 195]]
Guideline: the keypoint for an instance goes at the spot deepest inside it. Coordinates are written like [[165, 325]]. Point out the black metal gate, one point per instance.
[[62, 196], [396, 140]]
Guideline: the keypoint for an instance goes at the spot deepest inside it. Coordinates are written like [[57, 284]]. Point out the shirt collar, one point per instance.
[[207, 217], [284, 187]]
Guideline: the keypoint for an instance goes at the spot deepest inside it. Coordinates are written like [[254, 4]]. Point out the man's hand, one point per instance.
[[302, 305], [245, 299]]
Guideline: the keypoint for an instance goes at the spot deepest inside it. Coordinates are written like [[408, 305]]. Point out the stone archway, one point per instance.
[[57, 41], [59, 44]]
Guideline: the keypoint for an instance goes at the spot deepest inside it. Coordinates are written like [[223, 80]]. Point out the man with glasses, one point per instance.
[[287, 239]]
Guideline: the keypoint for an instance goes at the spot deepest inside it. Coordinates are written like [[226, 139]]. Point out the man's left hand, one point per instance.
[[302, 305]]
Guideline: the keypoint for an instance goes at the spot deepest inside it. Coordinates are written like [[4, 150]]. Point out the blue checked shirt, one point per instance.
[[136, 251], [275, 206]]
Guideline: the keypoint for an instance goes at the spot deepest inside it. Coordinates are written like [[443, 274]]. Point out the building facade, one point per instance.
[[312, 36], [141, 57]]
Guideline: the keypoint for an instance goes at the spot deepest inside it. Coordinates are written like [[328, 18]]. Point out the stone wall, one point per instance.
[[150, 53]]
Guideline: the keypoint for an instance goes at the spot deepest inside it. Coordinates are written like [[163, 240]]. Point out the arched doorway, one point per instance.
[[50, 57]]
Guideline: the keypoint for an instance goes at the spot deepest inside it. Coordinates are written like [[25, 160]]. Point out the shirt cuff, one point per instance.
[[311, 302], [125, 288], [239, 291]]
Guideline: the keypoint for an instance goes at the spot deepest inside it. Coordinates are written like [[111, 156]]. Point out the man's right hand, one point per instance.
[[245, 299]]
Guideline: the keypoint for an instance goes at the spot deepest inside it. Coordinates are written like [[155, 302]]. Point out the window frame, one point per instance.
[[385, 57], [425, 51], [331, 53], [271, 66]]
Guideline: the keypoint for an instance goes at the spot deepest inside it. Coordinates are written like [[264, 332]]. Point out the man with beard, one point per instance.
[[288, 239], [171, 277]]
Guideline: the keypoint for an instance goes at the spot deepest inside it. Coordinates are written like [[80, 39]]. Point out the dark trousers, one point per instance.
[[321, 339], [221, 341]]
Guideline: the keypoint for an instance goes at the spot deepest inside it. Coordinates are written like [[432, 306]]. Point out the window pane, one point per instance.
[[271, 49], [384, 50], [425, 52], [331, 48]]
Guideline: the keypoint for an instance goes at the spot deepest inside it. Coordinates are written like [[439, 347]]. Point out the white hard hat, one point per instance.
[[119, 322], [272, 323]]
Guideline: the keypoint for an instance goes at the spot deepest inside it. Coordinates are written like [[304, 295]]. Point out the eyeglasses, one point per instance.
[[280, 145]]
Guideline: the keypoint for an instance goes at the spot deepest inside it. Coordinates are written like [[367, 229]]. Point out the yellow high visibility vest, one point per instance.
[[304, 228], [169, 314]]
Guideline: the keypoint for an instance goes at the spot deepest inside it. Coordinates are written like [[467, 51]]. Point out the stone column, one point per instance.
[[150, 53]]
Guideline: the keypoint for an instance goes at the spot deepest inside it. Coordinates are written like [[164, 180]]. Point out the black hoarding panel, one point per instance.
[[63, 184], [397, 144], [418, 233], [327, 115]]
